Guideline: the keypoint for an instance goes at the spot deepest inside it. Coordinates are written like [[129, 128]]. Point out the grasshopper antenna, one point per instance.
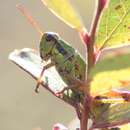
[[26, 13]]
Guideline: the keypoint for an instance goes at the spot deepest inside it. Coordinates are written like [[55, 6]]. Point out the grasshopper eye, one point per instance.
[[49, 37]]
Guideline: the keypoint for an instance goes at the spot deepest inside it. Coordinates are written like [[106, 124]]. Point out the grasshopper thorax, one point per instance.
[[47, 44]]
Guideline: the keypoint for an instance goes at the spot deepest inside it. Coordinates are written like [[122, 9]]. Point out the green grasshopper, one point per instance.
[[67, 61]]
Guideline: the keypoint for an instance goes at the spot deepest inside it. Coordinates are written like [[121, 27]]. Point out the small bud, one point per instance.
[[102, 4], [84, 36], [59, 126]]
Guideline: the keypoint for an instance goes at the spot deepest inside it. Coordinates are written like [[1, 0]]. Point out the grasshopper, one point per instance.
[[67, 61]]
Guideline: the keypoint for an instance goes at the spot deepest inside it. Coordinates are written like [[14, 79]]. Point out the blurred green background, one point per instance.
[[20, 107]]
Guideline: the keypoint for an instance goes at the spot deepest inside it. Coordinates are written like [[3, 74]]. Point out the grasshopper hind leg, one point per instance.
[[65, 89], [75, 86]]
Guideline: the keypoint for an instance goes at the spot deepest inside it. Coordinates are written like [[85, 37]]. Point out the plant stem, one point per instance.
[[86, 107], [85, 114], [90, 47], [90, 60]]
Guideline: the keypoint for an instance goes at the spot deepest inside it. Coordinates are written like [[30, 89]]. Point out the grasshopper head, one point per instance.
[[47, 44]]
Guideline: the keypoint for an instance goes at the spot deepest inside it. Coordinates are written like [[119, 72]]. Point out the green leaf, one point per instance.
[[115, 115], [30, 61], [114, 27], [64, 10], [108, 74]]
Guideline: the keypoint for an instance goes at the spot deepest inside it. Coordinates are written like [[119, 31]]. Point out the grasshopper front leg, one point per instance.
[[39, 81]]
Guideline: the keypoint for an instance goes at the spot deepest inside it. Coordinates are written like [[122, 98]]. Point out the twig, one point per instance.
[[90, 47]]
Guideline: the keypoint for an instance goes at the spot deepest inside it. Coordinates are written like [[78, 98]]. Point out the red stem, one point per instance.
[[96, 20], [90, 47], [84, 118], [90, 59]]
